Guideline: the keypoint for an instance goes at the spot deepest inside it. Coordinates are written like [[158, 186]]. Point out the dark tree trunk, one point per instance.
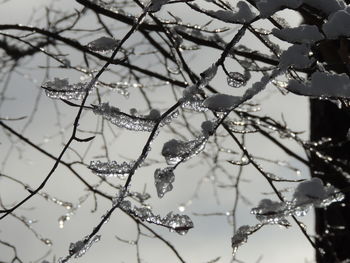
[[333, 223]]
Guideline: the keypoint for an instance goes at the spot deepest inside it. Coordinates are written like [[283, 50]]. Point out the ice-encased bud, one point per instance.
[[163, 179], [236, 79]]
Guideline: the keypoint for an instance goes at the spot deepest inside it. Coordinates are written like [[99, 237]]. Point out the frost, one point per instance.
[[109, 169], [243, 15], [163, 179], [61, 89], [222, 102], [323, 84], [305, 34], [338, 24], [241, 236], [297, 56], [176, 151], [133, 123], [236, 79], [103, 44]]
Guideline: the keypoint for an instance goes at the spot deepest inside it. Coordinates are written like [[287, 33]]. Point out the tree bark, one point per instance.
[[333, 223]]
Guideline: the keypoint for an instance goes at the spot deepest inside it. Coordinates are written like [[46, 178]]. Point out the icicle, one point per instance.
[[61, 89], [110, 169], [163, 179], [176, 151], [133, 123]]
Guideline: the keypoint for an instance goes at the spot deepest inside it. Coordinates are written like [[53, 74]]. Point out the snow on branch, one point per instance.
[[303, 34], [322, 84], [243, 15]]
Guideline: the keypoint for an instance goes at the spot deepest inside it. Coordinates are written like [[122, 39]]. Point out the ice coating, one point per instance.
[[61, 89], [111, 169], [129, 122], [176, 151], [174, 222]]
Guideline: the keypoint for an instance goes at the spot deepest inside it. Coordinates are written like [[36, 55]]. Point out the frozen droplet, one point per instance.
[[236, 79], [182, 208], [62, 220], [163, 179], [46, 241]]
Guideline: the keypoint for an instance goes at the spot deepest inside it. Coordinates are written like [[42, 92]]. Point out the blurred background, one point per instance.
[[201, 192]]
